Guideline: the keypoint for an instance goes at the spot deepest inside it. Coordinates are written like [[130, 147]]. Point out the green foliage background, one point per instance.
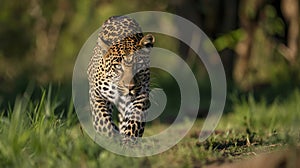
[[39, 43], [39, 40]]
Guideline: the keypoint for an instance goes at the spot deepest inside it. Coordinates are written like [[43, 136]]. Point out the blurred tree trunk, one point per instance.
[[256, 23], [248, 14], [47, 33], [290, 11]]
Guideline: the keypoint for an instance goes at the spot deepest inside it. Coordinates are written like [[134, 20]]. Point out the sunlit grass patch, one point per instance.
[[41, 133]]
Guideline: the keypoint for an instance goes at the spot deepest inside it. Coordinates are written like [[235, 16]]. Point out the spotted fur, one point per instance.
[[119, 75]]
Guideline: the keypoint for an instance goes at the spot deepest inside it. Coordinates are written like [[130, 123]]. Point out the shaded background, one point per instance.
[[258, 41]]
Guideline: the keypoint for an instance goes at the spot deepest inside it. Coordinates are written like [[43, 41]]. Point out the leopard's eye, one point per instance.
[[118, 66]]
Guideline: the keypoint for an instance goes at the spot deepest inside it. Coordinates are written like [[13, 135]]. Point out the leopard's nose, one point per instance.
[[129, 85]]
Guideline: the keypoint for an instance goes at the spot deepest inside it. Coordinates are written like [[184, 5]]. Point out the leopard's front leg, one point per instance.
[[135, 117], [102, 114]]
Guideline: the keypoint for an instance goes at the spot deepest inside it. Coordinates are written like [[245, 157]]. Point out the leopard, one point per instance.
[[119, 78]]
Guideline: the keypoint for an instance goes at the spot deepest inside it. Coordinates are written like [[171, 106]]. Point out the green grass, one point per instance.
[[39, 134]]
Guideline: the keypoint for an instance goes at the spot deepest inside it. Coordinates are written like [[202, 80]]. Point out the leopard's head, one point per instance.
[[127, 61], [125, 52]]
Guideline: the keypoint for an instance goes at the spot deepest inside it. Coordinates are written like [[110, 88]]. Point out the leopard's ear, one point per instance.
[[147, 41], [106, 59], [102, 43]]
